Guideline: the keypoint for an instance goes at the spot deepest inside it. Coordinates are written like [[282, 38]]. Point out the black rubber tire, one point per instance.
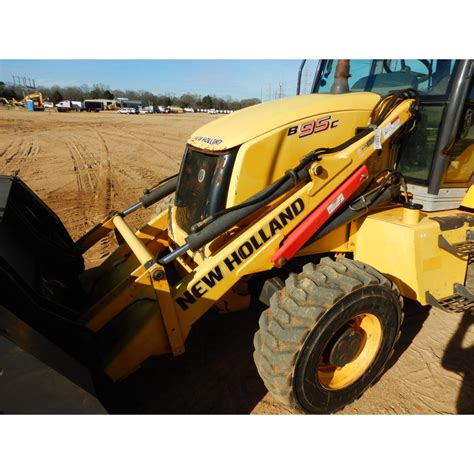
[[305, 314]]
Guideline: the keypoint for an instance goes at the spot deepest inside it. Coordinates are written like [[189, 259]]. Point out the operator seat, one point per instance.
[[386, 83]]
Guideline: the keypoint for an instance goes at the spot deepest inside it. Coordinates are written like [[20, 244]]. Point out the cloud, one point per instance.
[[57, 82]]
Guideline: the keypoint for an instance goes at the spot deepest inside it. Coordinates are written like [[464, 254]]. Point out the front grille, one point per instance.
[[202, 186]]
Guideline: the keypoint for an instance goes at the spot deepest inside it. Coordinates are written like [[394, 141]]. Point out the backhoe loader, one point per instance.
[[330, 207]]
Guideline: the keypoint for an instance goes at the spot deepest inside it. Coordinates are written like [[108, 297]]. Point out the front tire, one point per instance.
[[327, 335]]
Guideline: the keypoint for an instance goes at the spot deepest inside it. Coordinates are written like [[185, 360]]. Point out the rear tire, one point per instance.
[[327, 335]]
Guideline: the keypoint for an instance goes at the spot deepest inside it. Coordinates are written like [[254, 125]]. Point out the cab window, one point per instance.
[[417, 150], [461, 165], [428, 76]]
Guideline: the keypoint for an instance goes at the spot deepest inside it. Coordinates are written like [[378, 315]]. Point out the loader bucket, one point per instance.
[[38, 270]]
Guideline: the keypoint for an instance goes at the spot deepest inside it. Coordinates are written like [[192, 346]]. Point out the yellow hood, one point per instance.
[[251, 122]]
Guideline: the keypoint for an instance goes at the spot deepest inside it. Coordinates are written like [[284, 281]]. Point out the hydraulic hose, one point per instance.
[[349, 214], [230, 219], [205, 231], [159, 192]]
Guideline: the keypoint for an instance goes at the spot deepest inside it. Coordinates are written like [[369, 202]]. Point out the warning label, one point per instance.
[[391, 128], [335, 204]]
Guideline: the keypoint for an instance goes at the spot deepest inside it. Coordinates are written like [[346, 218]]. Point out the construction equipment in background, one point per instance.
[[36, 98], [331, 206], [16, 103], [95, 105], [113, 106]]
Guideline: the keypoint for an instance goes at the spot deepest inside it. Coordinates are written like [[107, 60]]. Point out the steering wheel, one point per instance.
[[420, 77]]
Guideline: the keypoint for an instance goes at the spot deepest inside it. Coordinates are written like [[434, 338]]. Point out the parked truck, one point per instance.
[[69, 106]]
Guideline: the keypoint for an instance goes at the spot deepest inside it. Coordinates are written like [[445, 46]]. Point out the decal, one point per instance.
[[315, 126], [237, 257], [201, 175], [365, 146], [378, 139], [335, 204], [391, 128], [208, 140]]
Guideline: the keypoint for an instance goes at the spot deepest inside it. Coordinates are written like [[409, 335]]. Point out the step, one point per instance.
[[460, 301], [465, 247]]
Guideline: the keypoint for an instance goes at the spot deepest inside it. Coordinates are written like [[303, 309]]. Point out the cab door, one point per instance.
[[460, 170]]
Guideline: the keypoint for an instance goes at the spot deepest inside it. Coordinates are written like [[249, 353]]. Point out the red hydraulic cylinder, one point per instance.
[[318, 217]]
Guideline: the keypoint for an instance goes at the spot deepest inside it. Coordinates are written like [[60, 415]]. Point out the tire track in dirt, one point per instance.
[[107, 184], [78, 207], [134, 175], [83, 160], [148, 145], [105, 176], [10, 152], [77, 172], [8, 148], [21, 154]]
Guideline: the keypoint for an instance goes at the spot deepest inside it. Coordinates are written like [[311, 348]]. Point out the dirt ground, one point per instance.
[[84, 165]]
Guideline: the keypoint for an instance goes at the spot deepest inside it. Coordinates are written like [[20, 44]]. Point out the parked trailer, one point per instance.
[[93, 105]]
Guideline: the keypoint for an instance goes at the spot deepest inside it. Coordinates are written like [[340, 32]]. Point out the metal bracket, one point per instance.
[[463, 291]]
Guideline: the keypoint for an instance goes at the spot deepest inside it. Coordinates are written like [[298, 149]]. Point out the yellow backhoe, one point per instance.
[[36, 97], [334, 204]]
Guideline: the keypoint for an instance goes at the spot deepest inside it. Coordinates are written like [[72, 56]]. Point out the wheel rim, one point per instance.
[[348, 355]]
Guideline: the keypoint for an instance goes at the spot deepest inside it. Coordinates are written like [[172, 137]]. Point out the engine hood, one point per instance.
[[251, 122]]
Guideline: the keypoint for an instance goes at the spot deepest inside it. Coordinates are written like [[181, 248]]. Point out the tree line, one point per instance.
[[100, 91]]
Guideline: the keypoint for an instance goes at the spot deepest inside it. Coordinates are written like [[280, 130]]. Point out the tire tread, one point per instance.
[[297, 308]]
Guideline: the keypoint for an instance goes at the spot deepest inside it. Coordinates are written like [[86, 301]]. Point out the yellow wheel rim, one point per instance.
[[368, 330]]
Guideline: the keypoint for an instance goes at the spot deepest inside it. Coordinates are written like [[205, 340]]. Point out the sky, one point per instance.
[[239, 79]]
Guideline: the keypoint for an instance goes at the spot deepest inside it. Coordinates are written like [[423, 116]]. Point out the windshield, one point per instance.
[[430, 77]]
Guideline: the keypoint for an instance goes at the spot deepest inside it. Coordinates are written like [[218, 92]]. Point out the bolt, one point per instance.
[[158, 275], [281, 261], [318, 170]]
